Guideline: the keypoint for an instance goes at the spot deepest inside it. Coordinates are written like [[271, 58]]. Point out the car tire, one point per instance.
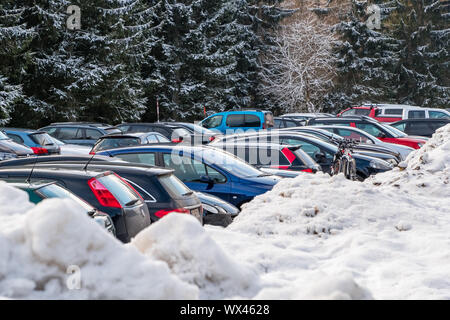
[[218, 219]]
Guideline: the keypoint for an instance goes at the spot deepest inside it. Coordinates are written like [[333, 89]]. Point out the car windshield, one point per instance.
[[3, 136], [42, 138], [56, 191], [229, 162], [394, 131]]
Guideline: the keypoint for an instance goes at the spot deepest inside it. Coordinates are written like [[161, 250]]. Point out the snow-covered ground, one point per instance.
[[312, 237]]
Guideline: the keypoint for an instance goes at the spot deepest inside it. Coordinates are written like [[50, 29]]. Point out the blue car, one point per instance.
[[235, 121], [39, 141], [205, 169]]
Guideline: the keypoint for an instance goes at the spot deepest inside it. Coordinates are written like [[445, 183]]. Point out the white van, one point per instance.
[[397, 112]]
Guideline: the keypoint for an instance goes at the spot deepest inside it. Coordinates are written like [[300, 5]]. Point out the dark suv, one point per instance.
[[420, 127], [79, 132]]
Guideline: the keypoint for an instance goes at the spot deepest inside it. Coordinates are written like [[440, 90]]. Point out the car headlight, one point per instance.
[[393, 162], [7, 155], [380, 164]]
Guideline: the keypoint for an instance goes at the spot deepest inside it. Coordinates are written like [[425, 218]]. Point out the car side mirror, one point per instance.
[[382, 135]]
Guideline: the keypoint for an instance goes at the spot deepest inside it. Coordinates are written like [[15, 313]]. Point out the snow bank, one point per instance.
[[181, 242], [38, 244], [389, 234]]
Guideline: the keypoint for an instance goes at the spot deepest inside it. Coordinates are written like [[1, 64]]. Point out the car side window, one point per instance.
[[309, 148], [161, 138], [235, 120], [143, 158], [416, 114], [215, 175], [437, 115], [93, 134], [68, 133], [349, 112], [185, 168], [419, 127], [397, 112], [400, 126], [350, 134], [252, 121], [278, 123], [369, 128], [212, 122], [152, 139]]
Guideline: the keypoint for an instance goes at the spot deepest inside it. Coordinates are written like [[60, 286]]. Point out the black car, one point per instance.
[[82, 133], [420, 127], [217, 211], [321, 151], [161, 190], [115, 140], [173, 132], [286, 122], [271, 155], [104, 190], [9, 149]]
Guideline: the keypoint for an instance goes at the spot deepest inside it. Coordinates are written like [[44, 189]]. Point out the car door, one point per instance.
[[71, 135], [193, 173]]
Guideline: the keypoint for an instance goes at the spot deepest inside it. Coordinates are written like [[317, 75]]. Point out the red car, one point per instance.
[[382, 131]]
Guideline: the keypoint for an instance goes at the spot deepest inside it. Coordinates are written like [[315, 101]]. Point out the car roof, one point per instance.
[[68, 172], [79, 125], [24, 130], [254, 144], [128, 135], [155, 124], [388, 105], [423, 120], [33, 185]]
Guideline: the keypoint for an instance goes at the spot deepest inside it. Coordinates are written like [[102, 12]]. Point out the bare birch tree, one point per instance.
[[301, 71]]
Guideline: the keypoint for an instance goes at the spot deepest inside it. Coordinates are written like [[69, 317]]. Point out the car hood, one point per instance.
[[412, 139], [14, 147], [281, 173], [215, 201]]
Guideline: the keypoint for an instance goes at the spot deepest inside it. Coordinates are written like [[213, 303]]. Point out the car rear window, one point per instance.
[[121, 190], [235, 120], [55, 191], [393, 111], [42, 139], [113, 143], [174, 186]]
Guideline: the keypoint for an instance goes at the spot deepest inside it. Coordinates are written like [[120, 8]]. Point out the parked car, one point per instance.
[[9, 149], [365, 138], [83, 133], [271, 155], [204, 169], [115, 141], [362, 147], [382, 131], [47, 189], [39, 141], [243, 120], [104, 190], [174, 133], [199, 135], [71, 149], [394, 112], [286, 122], [321, 151], [420, 127]]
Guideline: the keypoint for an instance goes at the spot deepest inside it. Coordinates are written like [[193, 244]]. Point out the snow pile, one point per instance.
[[427, 169], [39, 244], [181, 242], [391, 242]]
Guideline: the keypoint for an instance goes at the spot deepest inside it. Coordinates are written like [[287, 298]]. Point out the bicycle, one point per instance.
[[343, 160]]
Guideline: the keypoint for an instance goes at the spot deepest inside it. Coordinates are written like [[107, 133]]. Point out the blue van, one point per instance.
[[230, 121], [203, 169]]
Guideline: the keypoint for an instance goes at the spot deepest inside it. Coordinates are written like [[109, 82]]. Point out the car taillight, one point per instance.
[[129, 185], [38, 150], [92, 152], [308, 170], [211, 138], [162, 213], [177, 140], [103, 195]]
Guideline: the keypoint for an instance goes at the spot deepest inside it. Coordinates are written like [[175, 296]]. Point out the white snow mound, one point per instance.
[[39, 245], [181, 242]]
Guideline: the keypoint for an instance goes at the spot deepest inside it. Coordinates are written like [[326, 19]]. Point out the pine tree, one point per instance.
[[366, 61], [422, 26]]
